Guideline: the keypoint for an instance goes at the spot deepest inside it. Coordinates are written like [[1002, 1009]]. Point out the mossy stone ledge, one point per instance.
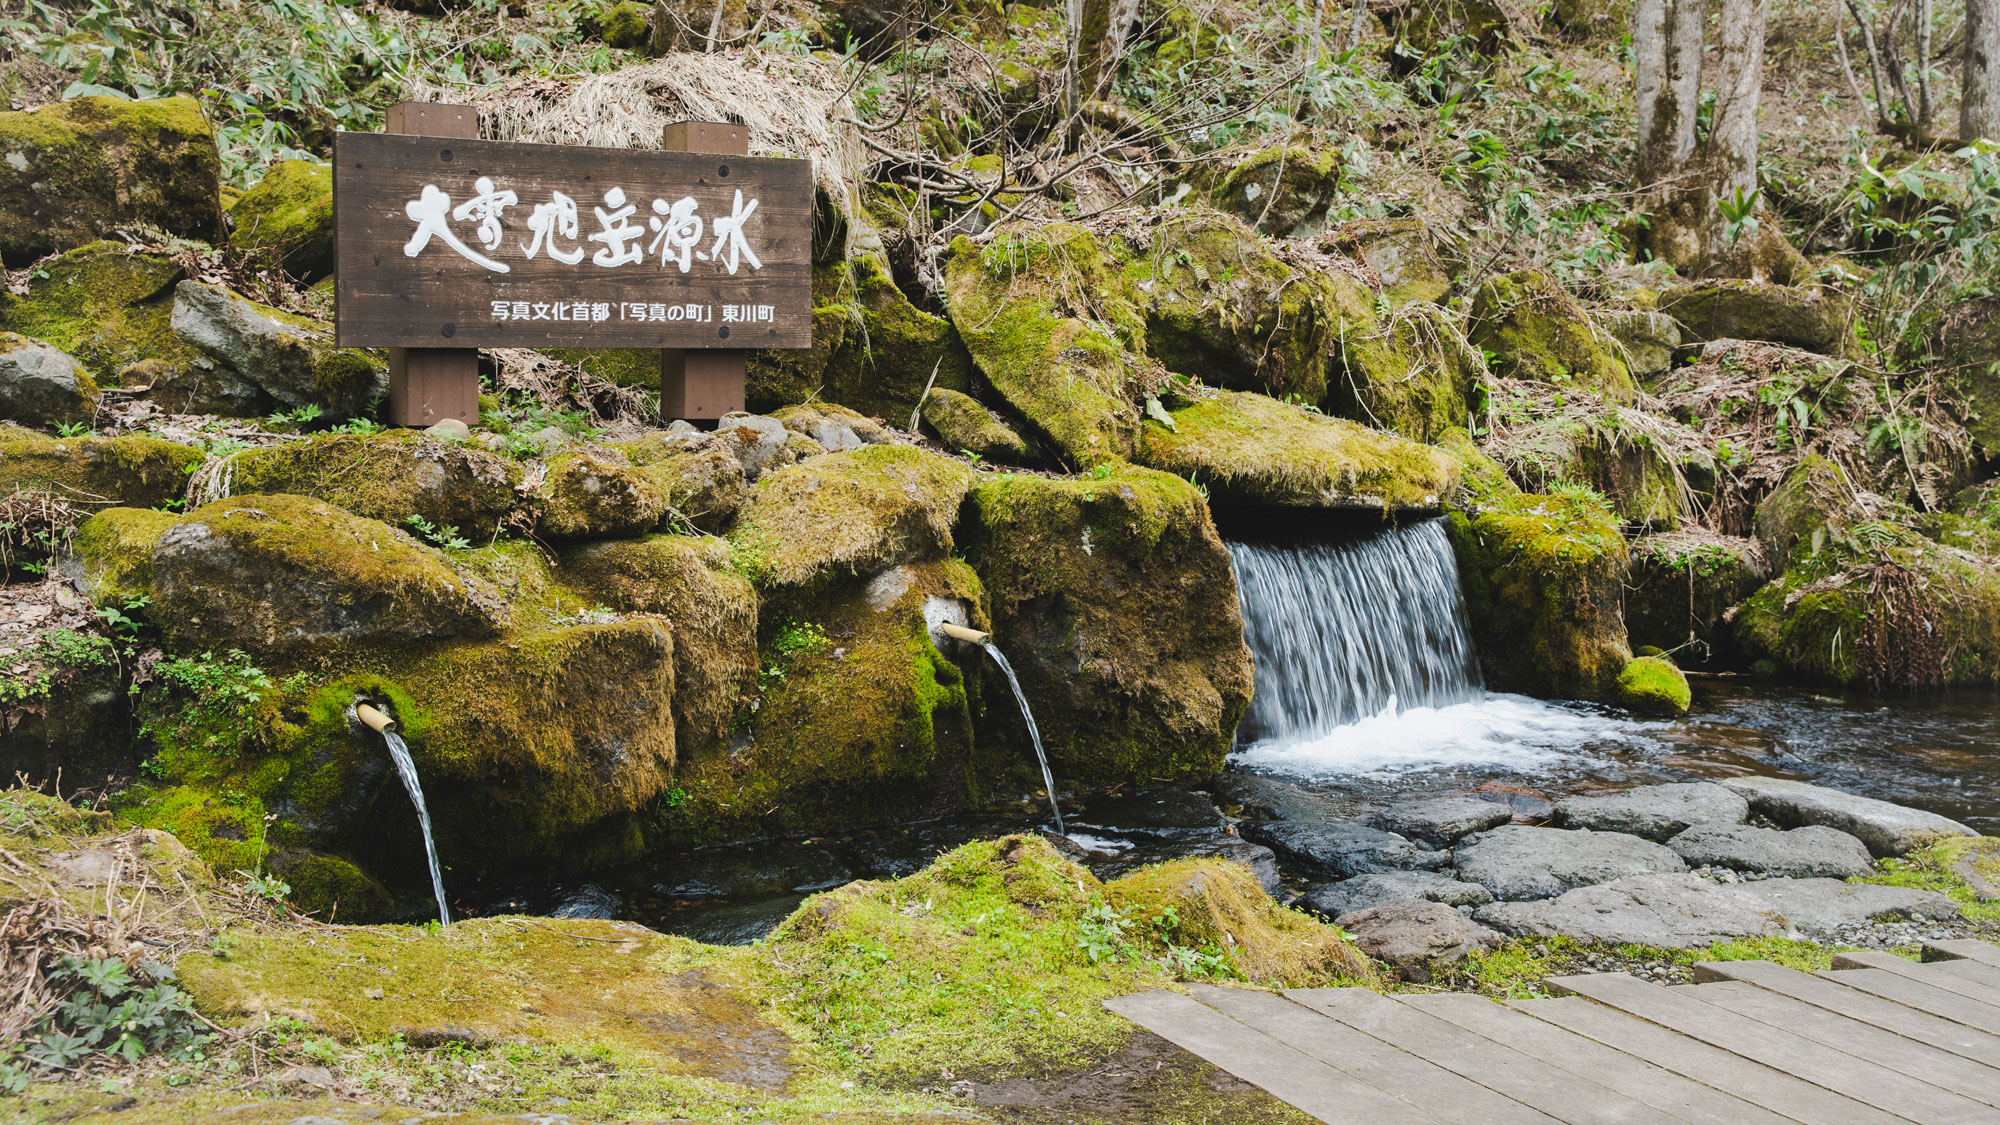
[[110, 307], [112, 553], [962, 422], [851, 513], [1803, 317], [287, 219], [1253, 449], [389, 476], [133, 472], [1537, 331], [596, 493]]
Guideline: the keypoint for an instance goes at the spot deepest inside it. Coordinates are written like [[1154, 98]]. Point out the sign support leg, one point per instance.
[[428, 385], [702, 384]]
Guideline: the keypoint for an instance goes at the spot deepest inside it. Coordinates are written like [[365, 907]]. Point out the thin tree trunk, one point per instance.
[[1354, 24], [1649, 72], [1686, 31], [1733, 136], [1923, 19], [1666, 49], [1979, 104]]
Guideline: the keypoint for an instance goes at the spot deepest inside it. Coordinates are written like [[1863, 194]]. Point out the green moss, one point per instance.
[[1114, 599], [1280, 189], [889, 349], [1652, 685], [702, 479], [597, 494], [1810, 508], [1211, 902], [135, 472], [287, 219], [1949, 868], [114, 549], [1814, 319], [1536, 331], [78, 170], [1483, 482], [1414, 260], [107, 306], [1681, 587], [1543, 578], [389, 476], [624, 367], [623, 25], [960, 422], [849, 513], [1255, 449]]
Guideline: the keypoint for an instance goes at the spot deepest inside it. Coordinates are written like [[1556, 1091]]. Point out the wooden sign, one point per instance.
[[457, 243]]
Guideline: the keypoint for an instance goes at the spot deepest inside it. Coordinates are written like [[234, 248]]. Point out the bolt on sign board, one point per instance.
[[456, 243]]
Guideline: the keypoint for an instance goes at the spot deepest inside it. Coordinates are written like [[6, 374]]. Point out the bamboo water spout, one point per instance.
[[381, 722], [385, 724]]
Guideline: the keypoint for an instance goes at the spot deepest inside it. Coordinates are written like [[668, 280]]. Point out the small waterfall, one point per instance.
[[408, 771], [1034, 733], [1346, 631]]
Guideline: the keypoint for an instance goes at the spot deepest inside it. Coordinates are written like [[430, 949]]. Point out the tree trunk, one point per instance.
[[1686, 30], [1666, 49], [1649, 72], [1732, 138], [1979, 106]]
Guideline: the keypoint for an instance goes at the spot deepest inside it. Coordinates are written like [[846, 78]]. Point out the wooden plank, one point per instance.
[[1286, 1074], [1754, 1082], [1796, 1055], [1931, 1030], [1919, 995], [1969, 949], [1987, 976], [1940, 973], [1965, 1077], [1683, 1098], [1435, 1089], [428, 385], [1498, 1068]]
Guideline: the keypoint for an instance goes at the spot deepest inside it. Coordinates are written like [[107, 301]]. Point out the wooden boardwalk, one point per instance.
[[1879, 1039]]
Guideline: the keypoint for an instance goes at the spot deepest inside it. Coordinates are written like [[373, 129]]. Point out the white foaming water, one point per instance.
[[1512, 732], [407, 769]]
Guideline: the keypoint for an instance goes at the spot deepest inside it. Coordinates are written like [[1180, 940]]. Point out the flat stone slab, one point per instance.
[[1656, 812], [1802, 853], [1888, 829], [1670, 911], [1818, 906], [1517, 862], [1440, 822], [1416, 936], [1339, 850], [1364, 891]]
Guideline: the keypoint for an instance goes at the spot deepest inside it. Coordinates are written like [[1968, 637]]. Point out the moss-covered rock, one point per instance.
[[852, 513], [1652, 685], [1583, 443], [287, 219], [1681, 589], [961, 422], [79, 170], [135, 472], [290, 357], [65, 713], [109, 306], [1219, 904], [1810, 318], [701, 477], [1114, 598], [42, 385], [1536, 331], [859, 720], [1544, 583], [831, 426], [112, 553], [888, 349], [596, 493], [1815, 498], [388, 476], [1282, 191], [712, 610], [288, 575], [1048, 319], [1254, 449], [1409, 256], [1483, 482], [1647, 337], [1968, 343], [624, 25]]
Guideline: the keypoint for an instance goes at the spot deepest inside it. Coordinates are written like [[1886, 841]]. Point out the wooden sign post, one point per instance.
[[446, 244]]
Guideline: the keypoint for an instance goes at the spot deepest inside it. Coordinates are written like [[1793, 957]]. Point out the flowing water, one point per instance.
[[1027, 716], [407, 769]]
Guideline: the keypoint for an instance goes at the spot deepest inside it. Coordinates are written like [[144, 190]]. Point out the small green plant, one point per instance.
[[295, 419], [72, 429], [1100, 933], [211, 701], [795, 640], [265, 886], [445, 537], [108, 1011], [363, 426]]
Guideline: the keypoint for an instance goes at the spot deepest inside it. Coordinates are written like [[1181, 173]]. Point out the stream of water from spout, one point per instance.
[[1021, 698], [407, 769]]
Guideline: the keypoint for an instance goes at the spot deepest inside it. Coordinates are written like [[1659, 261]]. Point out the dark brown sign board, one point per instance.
[[456, 243]]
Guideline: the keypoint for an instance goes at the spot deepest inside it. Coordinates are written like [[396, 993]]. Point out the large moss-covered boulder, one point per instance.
[[136, 472], [1648, 338], [1536, 330], [1410, 258], [1250, 448], [1816, 498], [852, 513], [711, 609], [109, 306], [1114, 598], [1281, 191], [888, 349], [859, 720], [287, 219], [963, 422], [290, 357], [111, 555], [596, 493], [289, 575], [42, 385], [1048, 318], [1968, 343], [1681, 589], [1809, 318], [388, 476], [700, 475], [80, 170], [1544, 580]]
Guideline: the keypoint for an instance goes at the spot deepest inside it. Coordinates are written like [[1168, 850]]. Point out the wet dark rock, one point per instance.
[[1886, 828], [1822, 906], [1262, 861], [1439, 822], [1364, 891], [730, 872], [589, 901], [1415, 937], [1665, 910], [1155, 812], [1267, 798], [1656, 812], [1338, 850], [1517, 862], [1802, 853]]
